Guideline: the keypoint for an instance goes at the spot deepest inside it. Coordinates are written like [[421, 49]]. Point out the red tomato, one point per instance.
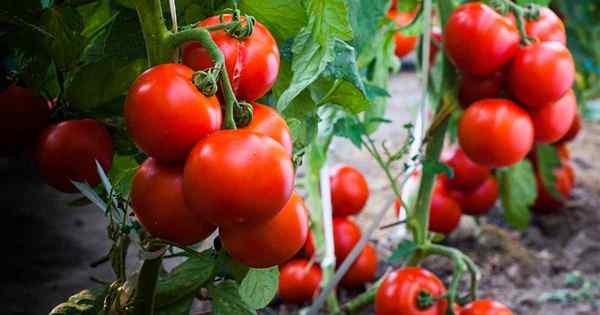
[[393, 4], [548, 28], [495, 132], [568, 166], [547, 203], [399, 292], [436, 43], [157, 200], [238, 176], [478, 40], [478, 200], [541, 73], [252, 64], [485, 307], [299, 281], [473, 89], [404, 43], [68, 151], [467, 174], [444, 212], [349, 191], [573, 130], [563, 151], [345, 235], [362, 270], [553, 121], [309, 247], [23, 116], [268, 122], [166, 114], [271, 242]]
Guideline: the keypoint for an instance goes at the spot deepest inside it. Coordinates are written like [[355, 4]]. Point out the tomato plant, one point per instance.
[[473, 89], [573, 131], [485, 307], [546, 202], [466, 173], [478, 200], [553, 121], [299, 281], [346, 234], [266, 121], [547, 28], [405, 44], [349, 191], [362, 270], [445, 211]]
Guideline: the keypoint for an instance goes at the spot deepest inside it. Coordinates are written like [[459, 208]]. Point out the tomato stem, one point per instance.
[[154, 30]]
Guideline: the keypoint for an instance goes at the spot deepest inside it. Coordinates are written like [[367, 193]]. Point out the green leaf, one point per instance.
[[548, 161], [181, 307], [86, 302], [95, 16], [517, 193], [125, 38], [227, 301], [352, 128], [65, 24], [539, 2], [405, 249], [407, 5], [259, 286], [283, 18], [365, 17], [121, 173]]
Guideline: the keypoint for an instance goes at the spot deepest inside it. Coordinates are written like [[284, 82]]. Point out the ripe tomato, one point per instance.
[[362, 270], [564, 180], [309, 246], [349, 191], [399, 292], [266, 121], [68, 151], [404, 43], [485, 307], [252, 64], [467, 174], [553, 121], [495, 132], [299, 281], [271, 242], [393, 4], [436, 43], [157, 200], [563, 151], [541, 73], [568, 166], [478, 40], [166, 114], [478, 200], [345, 235], [444, 211], [23, 116], [548, 28], [237, 176], [473, 89], [573, 130]]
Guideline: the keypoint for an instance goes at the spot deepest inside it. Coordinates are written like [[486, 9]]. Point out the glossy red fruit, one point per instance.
[[568, 166], [346, 234], [362, 270], [272, 242], [563, 151], [548, 28], [467, 174], [299, 281], [399, 292], [473, 89], [564, 180], [541, 73], [553, 121], [444, 212], [436, 43], [573, 130], [349, 190], [167, 115], [23, 116], [68, 151], [478, 40], [252, 63], [237, 176], [495, 132], [157, 201], [309, 246], [405, 44], [393, 4], [266, 121], [485, 307], [478, 200]]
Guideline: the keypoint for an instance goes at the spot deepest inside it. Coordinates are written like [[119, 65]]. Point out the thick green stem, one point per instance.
[[155, 31], [359, 302], [143, 303]]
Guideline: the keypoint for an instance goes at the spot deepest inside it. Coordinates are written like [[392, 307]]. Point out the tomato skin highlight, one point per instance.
[[467, 174], [298, 283], [346, 234], [573, 130], [237, 176], [362, 270], [485, 307], [398, 292], [157, 201], [479, 200], [553, 121], [272, 242], [541, 73], [252, 64], [267, 121], [495, 132], [564, 180], [492, 39], [548, 28], [349, 191], [473, 89], [405, 44], [166, 114]]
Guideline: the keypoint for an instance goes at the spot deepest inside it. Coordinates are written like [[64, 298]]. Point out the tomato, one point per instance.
[[23, 116], [485, 307], [68, 151], [478, 200], [478, 40], [435, 44], [568, 166], [467, 174], [271, 242], [495, 132], [564, 180], [393, 4], [473, 89], [399, 292], [299, 281], [309, 246], [346, 234], [573, 130], [252, 63], [405, 44], [362, 270], [553, 121], [444, 211], [157, 201], [563, 151], [266, 121], [541, 73], [548, 28], [166, 114], [349, 190], [237, 176]]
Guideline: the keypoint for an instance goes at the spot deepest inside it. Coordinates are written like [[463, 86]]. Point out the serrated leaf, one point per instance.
[[226, 299], [86, 302], [65, 24], [548, 161], [283, 18], [352, 128], [365, 17], [517, 193], [405, 250], [259, 286]]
